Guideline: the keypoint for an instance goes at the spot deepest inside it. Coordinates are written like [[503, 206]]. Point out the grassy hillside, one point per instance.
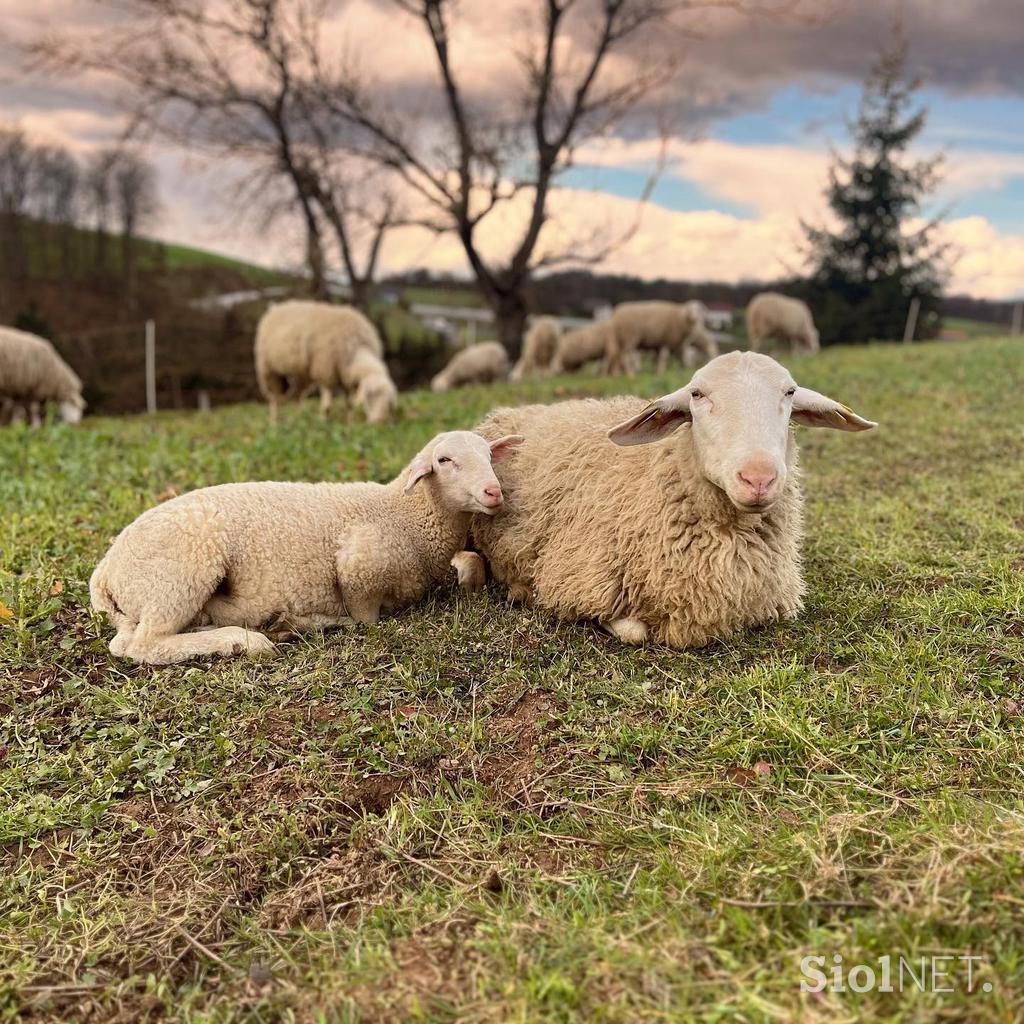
[[73, 252], [472, 812]]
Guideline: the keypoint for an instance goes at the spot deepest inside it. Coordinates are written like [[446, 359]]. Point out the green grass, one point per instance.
[[46, 243], [475, 813], [973, 328], [183, 257], [443, 296]]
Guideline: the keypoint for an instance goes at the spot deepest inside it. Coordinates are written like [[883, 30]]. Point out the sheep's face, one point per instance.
[[71, 412], [739, 407], [459, 464], [378, 398]]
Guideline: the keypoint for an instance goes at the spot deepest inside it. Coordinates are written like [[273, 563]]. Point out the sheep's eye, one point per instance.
[[443, 459], [695, 393], [791, 392]]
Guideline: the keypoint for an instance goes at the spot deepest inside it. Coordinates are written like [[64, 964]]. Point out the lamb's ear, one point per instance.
[[815, 410], [505, 446], [422, 465], [658, 420]]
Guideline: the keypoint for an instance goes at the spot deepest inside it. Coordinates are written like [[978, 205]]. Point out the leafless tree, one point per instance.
[[234, 79], [99, 199], [133, 186], [494, 158], [15, 181], [55, 199]]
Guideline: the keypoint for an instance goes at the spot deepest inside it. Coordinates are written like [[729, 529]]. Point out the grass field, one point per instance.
[[475, 813]]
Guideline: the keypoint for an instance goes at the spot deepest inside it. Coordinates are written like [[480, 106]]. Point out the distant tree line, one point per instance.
[[65, 217], [582, 292]]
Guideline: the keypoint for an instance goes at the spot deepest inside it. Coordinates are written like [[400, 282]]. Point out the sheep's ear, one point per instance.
[[658, 420], [505, 446], [422, 465], [815, 410]]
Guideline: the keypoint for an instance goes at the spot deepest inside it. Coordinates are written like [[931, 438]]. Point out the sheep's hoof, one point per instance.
[[519, 593], [628, 631], [471, 569]]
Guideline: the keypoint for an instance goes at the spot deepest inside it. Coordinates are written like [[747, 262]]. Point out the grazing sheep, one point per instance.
[[366, 375], [32, 374], [686, 540], [202, 573], [700, 339], [538, 348], [580, 346], [478, 364], [304, 345], [666, 327], [771, 315]]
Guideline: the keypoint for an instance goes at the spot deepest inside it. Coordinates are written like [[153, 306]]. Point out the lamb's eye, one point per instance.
[[791, 392], [695, 393], [443, 459]]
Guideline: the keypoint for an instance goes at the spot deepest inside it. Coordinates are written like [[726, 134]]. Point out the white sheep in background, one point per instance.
[[366, 376], [482, 363], [539, 347], [664, 327], [32, 374], [202, 573], [771, 315], [580, 346], [303, 345], [683, 541]]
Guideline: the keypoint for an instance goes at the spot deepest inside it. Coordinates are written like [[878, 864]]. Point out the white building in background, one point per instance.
[[719, 317]]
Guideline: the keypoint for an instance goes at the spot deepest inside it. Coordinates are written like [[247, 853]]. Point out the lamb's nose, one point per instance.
[[758, 477], [493, 491]]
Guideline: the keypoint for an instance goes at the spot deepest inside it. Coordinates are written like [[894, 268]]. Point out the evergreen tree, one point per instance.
[[866, 270]]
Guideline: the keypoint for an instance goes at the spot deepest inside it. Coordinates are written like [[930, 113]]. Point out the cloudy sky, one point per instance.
[[754, 112]]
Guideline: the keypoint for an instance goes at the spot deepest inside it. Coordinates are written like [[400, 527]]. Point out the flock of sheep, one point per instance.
[[596, 510], [302, 346]]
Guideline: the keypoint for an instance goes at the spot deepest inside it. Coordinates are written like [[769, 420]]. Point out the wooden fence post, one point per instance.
[[150, 366], [915, 308]]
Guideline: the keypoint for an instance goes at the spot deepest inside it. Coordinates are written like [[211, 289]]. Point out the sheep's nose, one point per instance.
[[492, 495], [759, 477]]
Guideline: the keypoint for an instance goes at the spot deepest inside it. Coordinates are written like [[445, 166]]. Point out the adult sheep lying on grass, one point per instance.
[[685, 540], [305, 345], [202, 573], [32, 374], [482, 363]]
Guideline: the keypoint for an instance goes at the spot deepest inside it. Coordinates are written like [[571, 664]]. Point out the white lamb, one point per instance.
[[304, 345], [682, 541], [771, 315], [32, 374], [539, 347], [665, 327], [201, 574], [482, 363]]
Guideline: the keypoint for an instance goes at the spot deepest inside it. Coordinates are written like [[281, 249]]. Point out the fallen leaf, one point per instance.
[[5, 612], [740, 776], [57, 588]]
